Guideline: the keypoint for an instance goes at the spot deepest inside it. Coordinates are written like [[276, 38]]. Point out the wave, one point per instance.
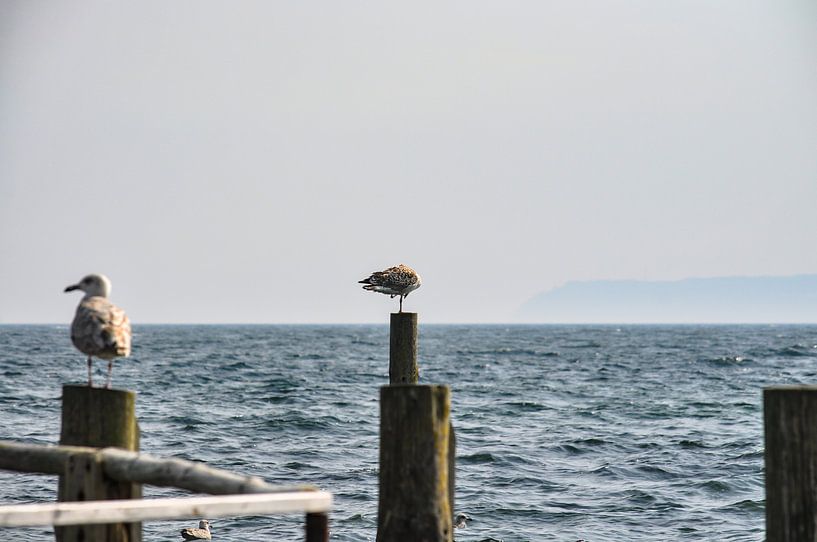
[[797, 351], [509, 352]]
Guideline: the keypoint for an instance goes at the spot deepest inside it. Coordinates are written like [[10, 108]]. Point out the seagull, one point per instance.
[[460, 521], [100, 328], [202, 533], [399, 280]]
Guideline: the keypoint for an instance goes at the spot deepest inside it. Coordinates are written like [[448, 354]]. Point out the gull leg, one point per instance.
[[110, 372], [90, 381], [401, 303]]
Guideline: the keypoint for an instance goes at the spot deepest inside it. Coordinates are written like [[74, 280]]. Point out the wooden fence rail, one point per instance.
[[133, 510], [236, 495], [125, 466]]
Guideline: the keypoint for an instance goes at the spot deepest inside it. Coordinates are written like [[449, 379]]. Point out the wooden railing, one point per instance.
[[236, 495]]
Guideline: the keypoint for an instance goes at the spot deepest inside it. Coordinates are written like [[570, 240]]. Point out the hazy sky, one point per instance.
[[250, 161]]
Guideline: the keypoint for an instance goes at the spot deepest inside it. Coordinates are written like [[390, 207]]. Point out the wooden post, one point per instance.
[[414, 447], [317, 527], [452, 466], [97, 417], [403, 348], [83, 478], [790, 423]]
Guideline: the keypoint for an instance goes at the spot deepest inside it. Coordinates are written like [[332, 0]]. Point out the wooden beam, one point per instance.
[[125, 466], [137, 510], [196, 477], [38, 458]]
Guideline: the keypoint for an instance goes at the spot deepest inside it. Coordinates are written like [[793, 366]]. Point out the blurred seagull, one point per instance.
[[100, 328], [460, 521], [399, 280], [202, 533]]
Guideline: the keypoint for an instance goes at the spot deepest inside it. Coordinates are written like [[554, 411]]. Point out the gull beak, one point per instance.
[[71, 288]]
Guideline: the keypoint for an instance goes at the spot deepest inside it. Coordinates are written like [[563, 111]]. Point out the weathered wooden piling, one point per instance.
[[414, 463], [403, 348], [790, 424], [99, 418]]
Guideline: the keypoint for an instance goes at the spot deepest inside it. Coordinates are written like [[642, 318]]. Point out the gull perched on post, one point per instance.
[[399, 280], [202, 533], [100, 328]]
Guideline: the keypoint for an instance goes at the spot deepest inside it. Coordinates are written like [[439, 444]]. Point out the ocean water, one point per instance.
[[602, 433]]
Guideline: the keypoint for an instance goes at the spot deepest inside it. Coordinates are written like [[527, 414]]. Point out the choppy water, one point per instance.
[[564, 432]]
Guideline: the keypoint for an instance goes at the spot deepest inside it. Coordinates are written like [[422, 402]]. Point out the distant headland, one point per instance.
[[769, 299]]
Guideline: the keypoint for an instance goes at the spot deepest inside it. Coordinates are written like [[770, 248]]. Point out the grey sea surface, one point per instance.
[[602, 433]]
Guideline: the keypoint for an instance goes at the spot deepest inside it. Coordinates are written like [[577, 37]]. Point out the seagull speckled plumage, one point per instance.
[[100, 328], [399, 280], [202, 533]]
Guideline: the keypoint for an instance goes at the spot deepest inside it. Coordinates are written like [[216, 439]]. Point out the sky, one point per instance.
[[250, 161]]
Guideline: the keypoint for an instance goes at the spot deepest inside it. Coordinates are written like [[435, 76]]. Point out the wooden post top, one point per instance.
[[85, 388], [435, 387], [99, 417], [791, 388]]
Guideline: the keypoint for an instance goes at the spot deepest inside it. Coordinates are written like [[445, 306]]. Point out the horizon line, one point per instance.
[[513, 323]]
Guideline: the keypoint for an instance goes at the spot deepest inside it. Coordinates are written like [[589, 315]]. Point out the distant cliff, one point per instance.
[[790, 299]]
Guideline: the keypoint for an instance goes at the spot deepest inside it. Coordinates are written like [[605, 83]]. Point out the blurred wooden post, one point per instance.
[[97, 417], [452, 466], [414, 449], [403, 348], [790, 423], [317, 528]]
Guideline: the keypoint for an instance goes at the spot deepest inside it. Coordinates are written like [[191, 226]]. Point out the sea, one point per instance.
[[564, 433]]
